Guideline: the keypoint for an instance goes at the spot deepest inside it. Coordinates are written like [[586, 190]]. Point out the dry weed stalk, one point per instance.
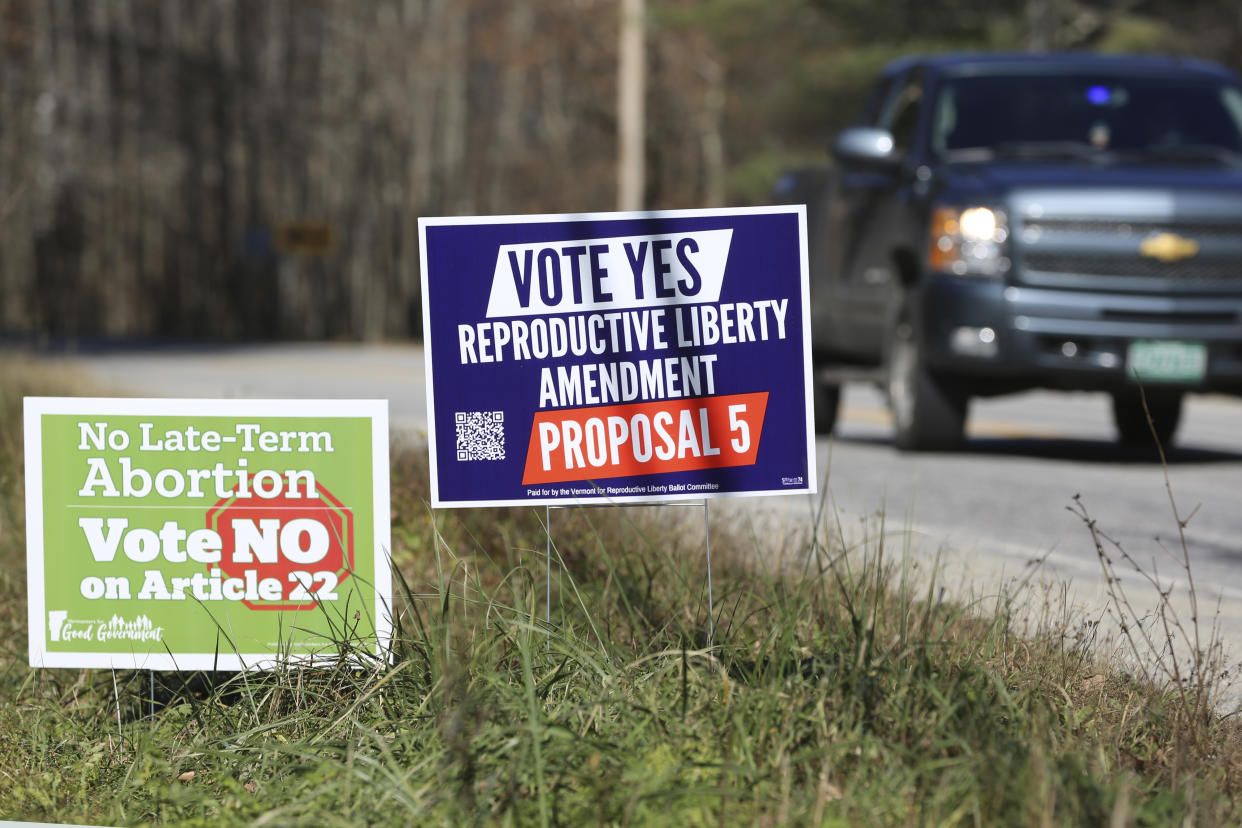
[[1159, 638]]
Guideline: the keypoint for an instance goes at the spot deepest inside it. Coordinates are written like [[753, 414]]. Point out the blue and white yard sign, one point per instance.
[[617, 356]]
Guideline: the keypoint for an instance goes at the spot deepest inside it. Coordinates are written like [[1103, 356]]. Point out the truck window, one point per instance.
[[879, 95], [1131, 113], [902, 115]]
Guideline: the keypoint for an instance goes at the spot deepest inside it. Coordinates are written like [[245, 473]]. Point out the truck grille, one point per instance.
[[1112, 227], [1198, 269], [1058, 249]]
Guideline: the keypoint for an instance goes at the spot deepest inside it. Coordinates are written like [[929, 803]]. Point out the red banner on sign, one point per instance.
[[644, 438]]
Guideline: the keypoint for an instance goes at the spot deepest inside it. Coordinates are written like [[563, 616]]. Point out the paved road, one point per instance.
[[1006, 499], [988, 509]]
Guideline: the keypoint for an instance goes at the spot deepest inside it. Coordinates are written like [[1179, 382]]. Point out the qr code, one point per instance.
[[480, 435]]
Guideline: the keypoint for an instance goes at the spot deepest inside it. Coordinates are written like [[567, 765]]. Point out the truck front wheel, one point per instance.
[[928, 414], [1131, 419], [827, 401]]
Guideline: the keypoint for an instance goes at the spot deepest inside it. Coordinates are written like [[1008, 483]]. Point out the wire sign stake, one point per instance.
[[707, 542]]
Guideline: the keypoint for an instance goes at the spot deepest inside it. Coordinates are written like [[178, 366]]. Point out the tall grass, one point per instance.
[[838, 692]]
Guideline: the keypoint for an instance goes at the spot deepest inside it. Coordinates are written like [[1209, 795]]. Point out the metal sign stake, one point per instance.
[[116, 694], [711, 610], [547, 526]]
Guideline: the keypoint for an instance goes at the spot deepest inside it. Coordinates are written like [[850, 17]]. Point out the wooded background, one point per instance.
[[222, 169]]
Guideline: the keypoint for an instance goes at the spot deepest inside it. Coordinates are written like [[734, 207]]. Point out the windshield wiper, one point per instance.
[[1050, 151], [1029, 151], [1191, 154], [969, 155]]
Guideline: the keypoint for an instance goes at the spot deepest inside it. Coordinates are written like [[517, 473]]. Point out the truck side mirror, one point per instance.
[[866, 147]]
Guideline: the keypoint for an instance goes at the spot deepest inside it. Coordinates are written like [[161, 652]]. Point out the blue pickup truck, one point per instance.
[[997, 223]]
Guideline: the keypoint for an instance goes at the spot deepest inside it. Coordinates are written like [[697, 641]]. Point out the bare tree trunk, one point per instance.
[[520, 24], [455, 109], [711, 131], [23, 38], [631, 114], [1041, 25]]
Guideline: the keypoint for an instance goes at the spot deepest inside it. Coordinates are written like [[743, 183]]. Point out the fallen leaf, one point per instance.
[[186, 777], [1093, 683]]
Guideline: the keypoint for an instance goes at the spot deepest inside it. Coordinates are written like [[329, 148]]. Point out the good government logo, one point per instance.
[[63, 628]]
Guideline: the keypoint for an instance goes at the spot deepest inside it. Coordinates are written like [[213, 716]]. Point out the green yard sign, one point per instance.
[[206, 534]]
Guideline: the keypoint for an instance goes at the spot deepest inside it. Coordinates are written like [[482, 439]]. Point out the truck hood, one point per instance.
[[998, 181]]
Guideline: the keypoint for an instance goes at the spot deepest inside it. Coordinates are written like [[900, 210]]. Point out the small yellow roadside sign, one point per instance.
[[305, 237]]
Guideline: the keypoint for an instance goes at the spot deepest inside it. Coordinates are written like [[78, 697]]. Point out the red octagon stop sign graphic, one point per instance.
[[306, 544]]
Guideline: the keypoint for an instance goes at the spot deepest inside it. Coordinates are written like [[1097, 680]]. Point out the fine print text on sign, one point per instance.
[[617, 356], [205, 534]]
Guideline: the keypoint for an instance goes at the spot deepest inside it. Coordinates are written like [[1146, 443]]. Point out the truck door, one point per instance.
[[870, 209]]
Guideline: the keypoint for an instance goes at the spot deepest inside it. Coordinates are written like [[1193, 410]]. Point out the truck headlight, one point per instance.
[[968, 242]]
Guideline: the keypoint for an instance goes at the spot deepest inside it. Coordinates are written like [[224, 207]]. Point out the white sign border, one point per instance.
[[35, 408]]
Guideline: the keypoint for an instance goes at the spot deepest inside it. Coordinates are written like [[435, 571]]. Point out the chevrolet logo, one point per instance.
[[1168, 247]]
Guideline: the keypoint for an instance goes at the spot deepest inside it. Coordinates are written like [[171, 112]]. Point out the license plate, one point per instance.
[[1152, 360]]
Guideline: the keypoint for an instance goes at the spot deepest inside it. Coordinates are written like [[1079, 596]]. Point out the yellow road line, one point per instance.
[[977, 427], [868, 415]]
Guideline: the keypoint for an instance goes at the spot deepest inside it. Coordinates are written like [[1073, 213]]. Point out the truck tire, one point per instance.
[[1131, 420], [928, 414], [827, 400]]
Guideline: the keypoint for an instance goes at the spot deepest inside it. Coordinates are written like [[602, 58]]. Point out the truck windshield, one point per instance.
[[1151, 117]]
